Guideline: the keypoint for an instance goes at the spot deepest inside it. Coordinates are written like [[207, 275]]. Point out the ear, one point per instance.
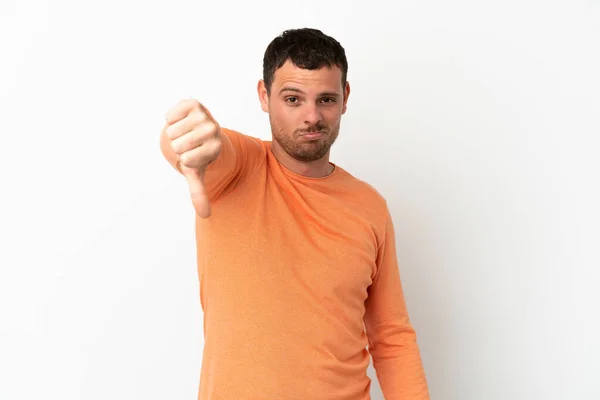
[[346, 95], [263, 96]]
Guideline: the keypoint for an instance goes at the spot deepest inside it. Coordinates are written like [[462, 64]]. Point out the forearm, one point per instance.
[[397, 362]]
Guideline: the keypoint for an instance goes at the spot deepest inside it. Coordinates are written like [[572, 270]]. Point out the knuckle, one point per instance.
[[203, 131], [196, 117], [194, 105], [184, 159], [211, 130], [176, 147]]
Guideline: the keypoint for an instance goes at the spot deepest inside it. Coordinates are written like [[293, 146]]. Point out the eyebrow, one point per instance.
[[293, 89]]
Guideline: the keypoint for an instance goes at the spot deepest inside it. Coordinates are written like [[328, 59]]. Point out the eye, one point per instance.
[[292, 100], [328, 100]]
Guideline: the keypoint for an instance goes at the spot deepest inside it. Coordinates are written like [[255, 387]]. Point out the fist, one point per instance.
[[195, 137]]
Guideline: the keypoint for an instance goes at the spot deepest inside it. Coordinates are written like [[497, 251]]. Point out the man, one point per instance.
[[296, 258]]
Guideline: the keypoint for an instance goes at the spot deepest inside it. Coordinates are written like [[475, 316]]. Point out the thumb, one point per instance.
[[195, 179]]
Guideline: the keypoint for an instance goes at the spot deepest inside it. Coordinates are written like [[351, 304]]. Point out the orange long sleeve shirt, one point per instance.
[[299, 281]]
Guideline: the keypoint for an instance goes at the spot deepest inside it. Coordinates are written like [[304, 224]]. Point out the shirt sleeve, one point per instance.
[[392, 338], [240, 156]]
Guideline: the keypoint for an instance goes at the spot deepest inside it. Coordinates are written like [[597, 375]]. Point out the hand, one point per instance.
[[196, 139]]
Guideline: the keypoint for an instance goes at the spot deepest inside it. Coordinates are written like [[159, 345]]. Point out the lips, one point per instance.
[[311, 135]]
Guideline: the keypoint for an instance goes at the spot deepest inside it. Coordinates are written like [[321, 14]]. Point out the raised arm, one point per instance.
[[211, 158]]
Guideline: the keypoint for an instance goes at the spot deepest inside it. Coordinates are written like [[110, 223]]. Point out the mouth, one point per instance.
[[311, 135]]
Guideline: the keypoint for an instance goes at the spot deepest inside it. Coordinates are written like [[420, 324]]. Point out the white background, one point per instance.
[[478, 121]]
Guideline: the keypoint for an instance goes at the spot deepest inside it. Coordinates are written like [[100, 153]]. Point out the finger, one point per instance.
[[181, 110], [200, 156], [185, 125], [193, 139], [198, 193]]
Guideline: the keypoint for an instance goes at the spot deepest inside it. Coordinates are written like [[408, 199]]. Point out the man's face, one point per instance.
[[305, 109]]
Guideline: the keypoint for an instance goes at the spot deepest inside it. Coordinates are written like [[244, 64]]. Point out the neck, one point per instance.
[[312, 169]]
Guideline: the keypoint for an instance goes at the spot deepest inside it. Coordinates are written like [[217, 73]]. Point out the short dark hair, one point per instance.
[[306, 48]]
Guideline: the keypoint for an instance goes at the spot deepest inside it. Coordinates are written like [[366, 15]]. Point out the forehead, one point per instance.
[[325, 78]]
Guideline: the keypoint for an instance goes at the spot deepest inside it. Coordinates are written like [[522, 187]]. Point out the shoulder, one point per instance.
[[239, 136], [367, 198], [370, 204], [246, 146], [364, 190]]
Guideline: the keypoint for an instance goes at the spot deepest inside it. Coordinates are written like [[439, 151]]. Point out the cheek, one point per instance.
[[332, 115], [279, 119], [286, 117]]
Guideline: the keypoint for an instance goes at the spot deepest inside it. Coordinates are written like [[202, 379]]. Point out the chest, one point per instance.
[[286, 246]]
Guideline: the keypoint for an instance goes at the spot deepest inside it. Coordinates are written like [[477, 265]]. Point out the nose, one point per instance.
[[313, 115]]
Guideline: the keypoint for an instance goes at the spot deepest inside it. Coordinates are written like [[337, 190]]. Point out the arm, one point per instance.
[[240, 155], [392, 339]]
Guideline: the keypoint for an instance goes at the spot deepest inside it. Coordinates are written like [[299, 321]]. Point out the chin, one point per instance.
[[310, 155]]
